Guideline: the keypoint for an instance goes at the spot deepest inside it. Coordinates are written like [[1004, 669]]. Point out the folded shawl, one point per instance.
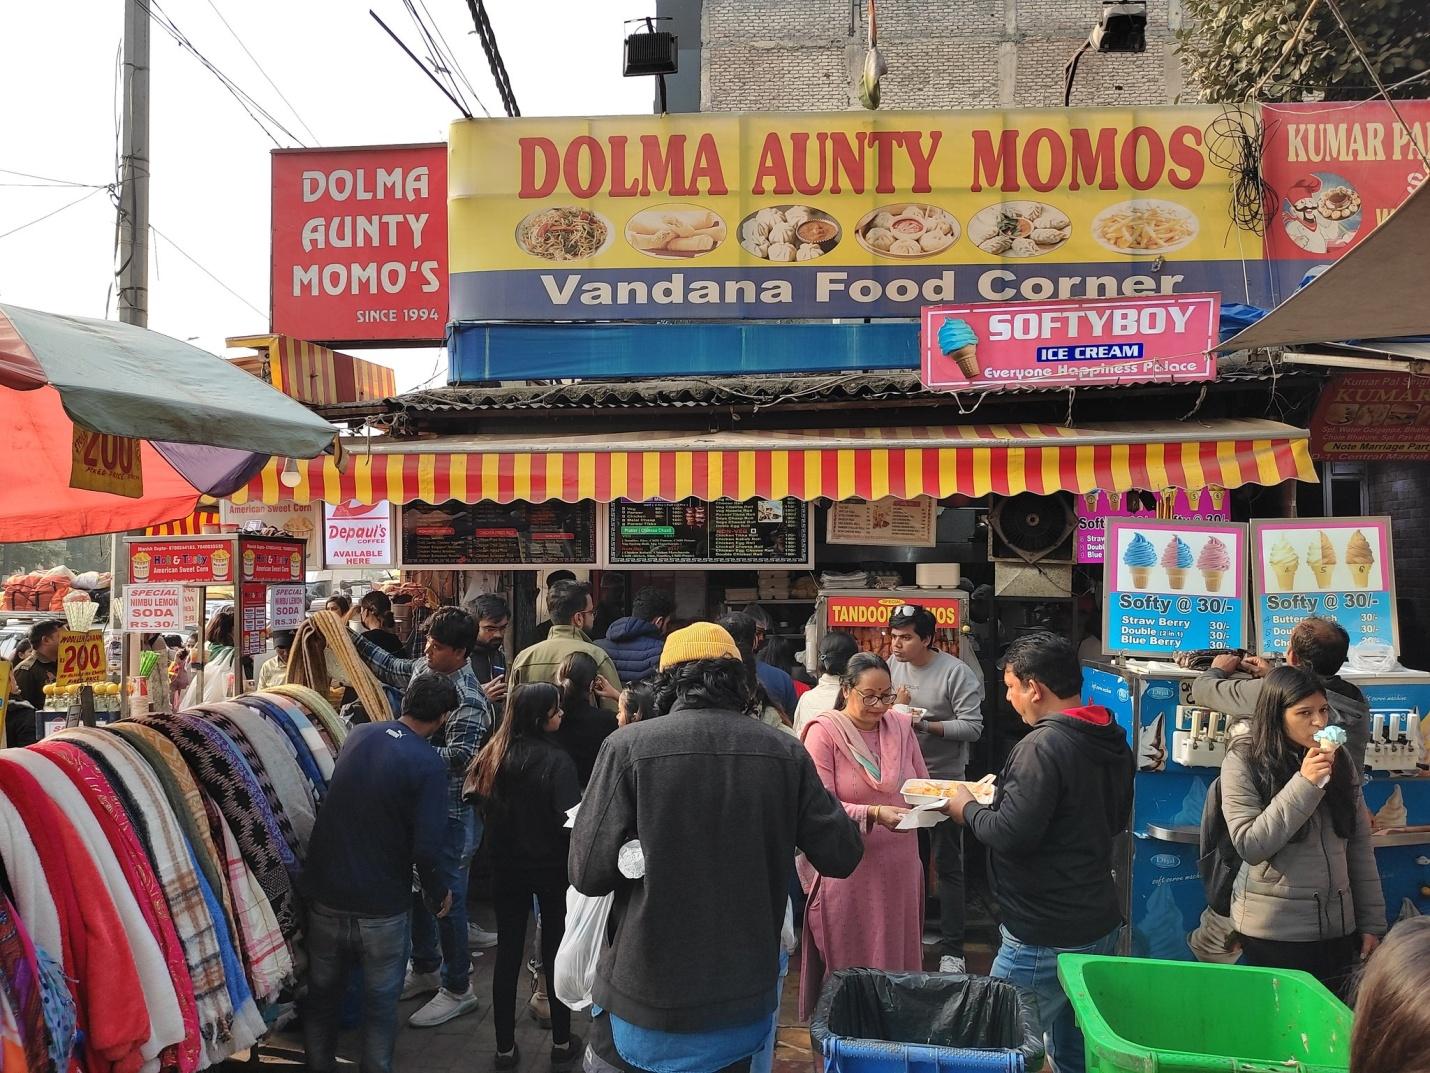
[[220, 718], [276, 755], [166, 1020], [307, 744], [320, 710], [176, 867]]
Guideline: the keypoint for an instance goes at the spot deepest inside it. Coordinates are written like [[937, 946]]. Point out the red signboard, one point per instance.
[[196, 562], [852, 612], [360, 244], [272, 560], [1335, 171], [998, 346], [1373, 417]]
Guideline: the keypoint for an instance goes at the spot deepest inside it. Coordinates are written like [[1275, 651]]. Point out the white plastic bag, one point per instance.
[[216, 672], [581, 946]]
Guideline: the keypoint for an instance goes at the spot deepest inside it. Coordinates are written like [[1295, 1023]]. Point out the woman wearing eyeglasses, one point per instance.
[[864, 753]]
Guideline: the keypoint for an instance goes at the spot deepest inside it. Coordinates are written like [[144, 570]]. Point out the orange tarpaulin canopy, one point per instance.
[[869, 463]]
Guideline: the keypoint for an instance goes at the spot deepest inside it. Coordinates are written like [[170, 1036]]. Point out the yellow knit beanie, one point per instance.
[[700, 640]]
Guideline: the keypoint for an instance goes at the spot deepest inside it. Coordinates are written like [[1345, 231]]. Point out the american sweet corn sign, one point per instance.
[[811, 215]]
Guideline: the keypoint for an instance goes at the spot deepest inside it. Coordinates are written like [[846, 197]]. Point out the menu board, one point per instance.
[[1173, 586], [768, 532], [1336, 568], [457, 535]]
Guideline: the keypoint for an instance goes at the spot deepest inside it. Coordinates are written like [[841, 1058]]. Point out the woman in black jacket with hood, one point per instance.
[[524, 783]]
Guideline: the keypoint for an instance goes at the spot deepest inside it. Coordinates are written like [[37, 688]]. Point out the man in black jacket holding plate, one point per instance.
[[1064, 795]]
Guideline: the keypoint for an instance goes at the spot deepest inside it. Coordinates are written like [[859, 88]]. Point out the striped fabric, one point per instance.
[[193, 525], [313, 374], [970, 460]]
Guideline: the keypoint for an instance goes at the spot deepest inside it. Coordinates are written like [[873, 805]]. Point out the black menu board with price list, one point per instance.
[[697, 532], [481, 535]]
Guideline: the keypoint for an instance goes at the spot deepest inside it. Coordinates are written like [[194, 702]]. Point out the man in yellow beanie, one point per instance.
[[719, 803]]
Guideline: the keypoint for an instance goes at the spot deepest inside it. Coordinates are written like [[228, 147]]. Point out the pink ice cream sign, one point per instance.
[[1094, 508], [998, 346]]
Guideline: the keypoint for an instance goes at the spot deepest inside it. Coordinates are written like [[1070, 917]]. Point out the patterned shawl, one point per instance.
[[176, 869], [324, 634], [20, 975], [220, 718], [293, 793], [319, 710], [304, 740], [229, 780], [266, 955]]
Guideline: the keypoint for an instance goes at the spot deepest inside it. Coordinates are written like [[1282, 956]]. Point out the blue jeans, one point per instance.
[[443, 943], [1035, 970], [336, 943]]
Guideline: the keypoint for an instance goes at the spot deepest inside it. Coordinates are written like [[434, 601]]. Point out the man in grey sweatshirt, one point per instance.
[[952, 698]]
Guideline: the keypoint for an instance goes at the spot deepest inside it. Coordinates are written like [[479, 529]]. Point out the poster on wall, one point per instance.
[[996, 346], [153, 608], [357, 535], [359, 244], [255, 618], [841, 214], [1337, 568], [723, 532], [1096, 507], [867, 619], [485, 535], [1173, 586], [909, 523]]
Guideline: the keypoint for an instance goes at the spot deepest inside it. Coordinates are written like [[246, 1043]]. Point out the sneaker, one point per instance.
[[563, 1055], [479, 939], [445, 1006], [949, 963], [508, 1060], [416, 984]]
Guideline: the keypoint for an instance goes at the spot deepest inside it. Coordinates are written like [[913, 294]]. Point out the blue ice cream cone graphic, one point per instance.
[[960, 342]]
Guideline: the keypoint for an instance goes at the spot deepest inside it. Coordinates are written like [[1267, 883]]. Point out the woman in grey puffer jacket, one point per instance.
[[1308, 895]]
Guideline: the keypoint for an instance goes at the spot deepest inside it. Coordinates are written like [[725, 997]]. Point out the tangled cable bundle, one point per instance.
[[1233, 141]]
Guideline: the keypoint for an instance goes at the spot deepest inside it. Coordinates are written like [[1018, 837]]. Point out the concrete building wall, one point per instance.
[[807, 54], [1401, 490]]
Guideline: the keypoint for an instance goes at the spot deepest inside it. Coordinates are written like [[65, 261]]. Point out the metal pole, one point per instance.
[[133, 235]]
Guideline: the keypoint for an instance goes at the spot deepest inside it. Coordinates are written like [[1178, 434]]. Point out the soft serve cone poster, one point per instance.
[[1173, 586], [1339, 568]]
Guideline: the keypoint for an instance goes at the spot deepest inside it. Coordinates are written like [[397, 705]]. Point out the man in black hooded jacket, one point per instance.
[[1064, 795]]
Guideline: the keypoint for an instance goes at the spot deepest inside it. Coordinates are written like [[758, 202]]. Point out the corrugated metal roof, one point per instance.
[[692, 392]]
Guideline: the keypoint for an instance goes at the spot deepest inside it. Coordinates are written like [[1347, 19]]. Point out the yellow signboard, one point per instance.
[[842, 214], [104, 463], [81, 658]]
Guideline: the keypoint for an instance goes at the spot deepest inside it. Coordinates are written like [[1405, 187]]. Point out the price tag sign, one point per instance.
[[81, 658], [288, 606], [153, 608], [1173, 586], [104, 463]]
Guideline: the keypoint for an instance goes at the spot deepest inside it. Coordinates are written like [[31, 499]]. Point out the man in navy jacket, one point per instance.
[[635, 642]]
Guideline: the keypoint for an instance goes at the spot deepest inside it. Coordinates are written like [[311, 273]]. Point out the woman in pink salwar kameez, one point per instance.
[[864, 753]]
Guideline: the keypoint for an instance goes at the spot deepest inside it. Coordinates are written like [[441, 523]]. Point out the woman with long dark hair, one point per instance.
[[864, 753], [584, 724], [374, 612], [524, 784], [1392, 1025], [1308, 895]]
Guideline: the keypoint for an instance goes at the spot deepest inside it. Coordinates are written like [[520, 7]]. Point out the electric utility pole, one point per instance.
[[134, 169]]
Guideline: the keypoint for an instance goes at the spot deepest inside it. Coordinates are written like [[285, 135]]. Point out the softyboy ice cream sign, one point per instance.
[[785, 215], [1069, 344]]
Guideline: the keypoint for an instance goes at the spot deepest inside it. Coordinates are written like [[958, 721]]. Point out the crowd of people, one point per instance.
[[717, 797]]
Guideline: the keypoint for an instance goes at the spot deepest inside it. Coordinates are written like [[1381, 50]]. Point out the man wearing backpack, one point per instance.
[[1318, 645], [1064, 795]]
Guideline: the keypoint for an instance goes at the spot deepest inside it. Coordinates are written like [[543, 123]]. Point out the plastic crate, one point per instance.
[[1185, 1017], [869, 1021]]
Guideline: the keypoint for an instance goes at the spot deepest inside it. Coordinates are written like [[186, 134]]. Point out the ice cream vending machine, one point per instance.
[[1180, 747]]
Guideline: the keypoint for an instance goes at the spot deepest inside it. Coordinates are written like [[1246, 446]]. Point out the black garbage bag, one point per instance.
[[927, 1009]]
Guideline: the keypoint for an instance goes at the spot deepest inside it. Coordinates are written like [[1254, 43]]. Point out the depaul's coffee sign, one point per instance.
[[834, 215]]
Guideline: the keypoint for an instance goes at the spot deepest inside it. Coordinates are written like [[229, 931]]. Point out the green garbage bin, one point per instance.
[[1184, 1017]]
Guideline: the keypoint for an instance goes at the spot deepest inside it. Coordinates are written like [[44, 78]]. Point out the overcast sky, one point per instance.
[[349, 83]]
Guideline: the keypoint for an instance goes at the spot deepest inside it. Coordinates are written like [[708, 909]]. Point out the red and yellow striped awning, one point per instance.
[[196, 523], [313, 374], [971, 460]]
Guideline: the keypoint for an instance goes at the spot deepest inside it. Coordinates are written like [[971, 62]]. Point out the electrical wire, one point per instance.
[[281, 96], [1233, 143], [1375, 77], [45, 180], [488, 38], [441, 63], [193, 261], [466, 114], [56, 212], [452, 60], [245, 100]]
